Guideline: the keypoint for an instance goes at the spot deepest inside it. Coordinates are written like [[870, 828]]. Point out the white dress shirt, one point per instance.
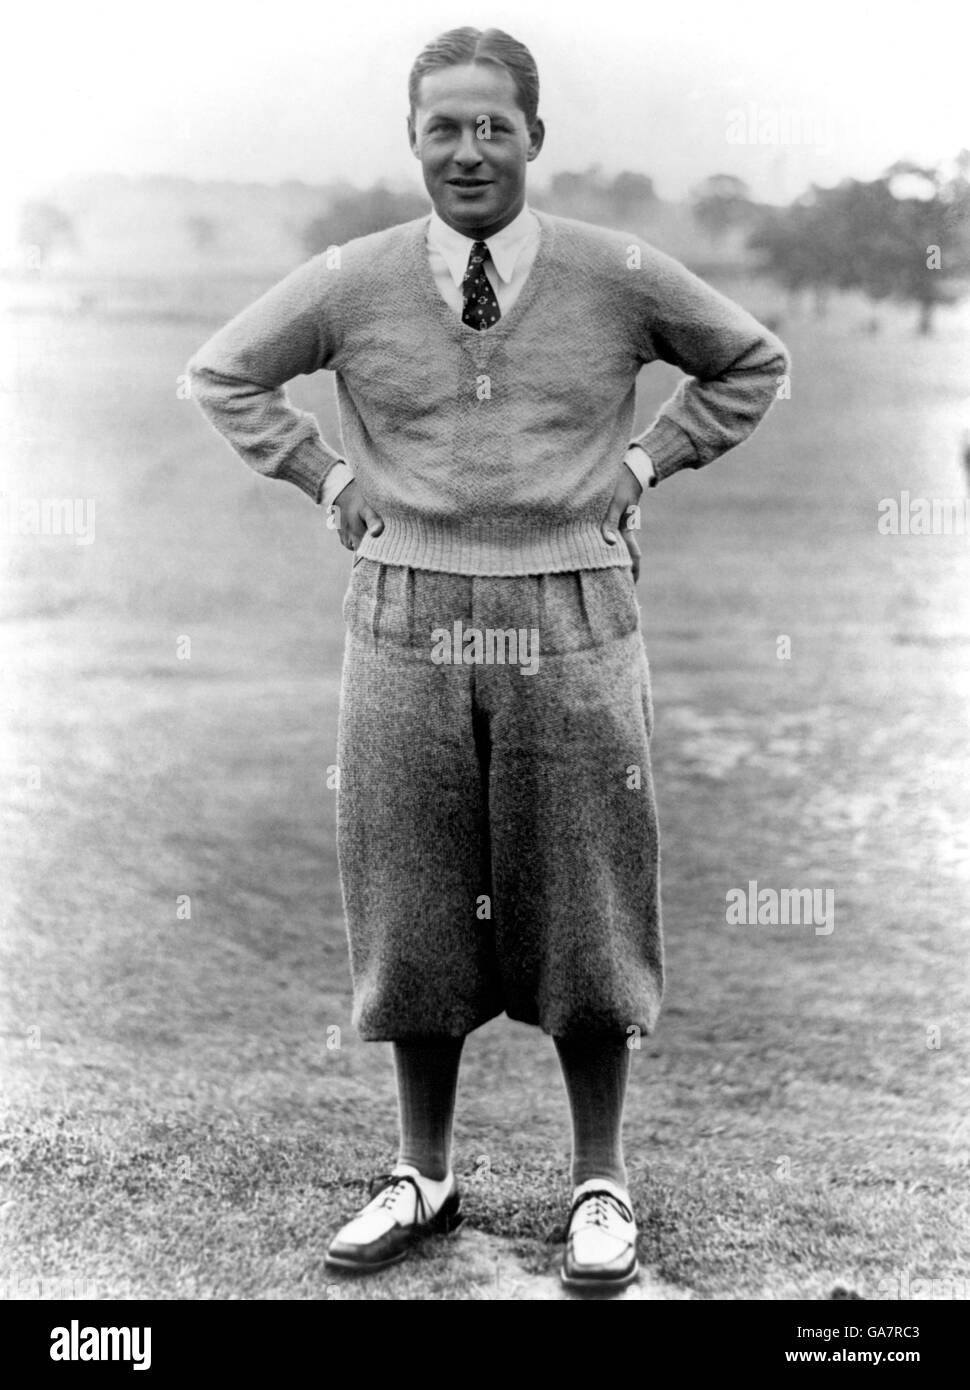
[[511, 253]]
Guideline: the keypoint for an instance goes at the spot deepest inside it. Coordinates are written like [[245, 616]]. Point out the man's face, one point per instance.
[[470, 134]]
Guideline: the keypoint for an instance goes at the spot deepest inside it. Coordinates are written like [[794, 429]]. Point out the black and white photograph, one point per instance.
[[485, 673]]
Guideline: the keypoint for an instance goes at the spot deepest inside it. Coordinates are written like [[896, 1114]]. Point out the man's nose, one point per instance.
[[469, 150]]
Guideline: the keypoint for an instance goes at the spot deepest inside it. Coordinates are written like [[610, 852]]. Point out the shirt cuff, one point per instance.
[[640, 465], [334, 483]]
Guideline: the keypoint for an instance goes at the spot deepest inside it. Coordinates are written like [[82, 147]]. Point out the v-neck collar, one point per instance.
[[462, 332], [505, 247]]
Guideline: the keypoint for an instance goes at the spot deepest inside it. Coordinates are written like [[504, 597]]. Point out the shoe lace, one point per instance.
[[597, 1209], [389, 1187]]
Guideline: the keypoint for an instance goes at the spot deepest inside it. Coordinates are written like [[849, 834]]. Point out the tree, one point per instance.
[[632, 196], [357, 214], [572, 193], [932, 224], [721, 203], [793, 246], [904, 236]]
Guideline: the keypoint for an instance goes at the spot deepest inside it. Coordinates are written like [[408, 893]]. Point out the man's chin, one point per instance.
[[463, 211], [471, 204]]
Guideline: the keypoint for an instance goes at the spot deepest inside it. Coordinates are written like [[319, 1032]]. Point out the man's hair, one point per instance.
[[460, 46]]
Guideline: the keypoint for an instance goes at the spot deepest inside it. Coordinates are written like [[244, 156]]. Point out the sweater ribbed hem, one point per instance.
[[494, 547]]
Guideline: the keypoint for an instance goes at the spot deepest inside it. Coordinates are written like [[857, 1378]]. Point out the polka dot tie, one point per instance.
[[481, 307]]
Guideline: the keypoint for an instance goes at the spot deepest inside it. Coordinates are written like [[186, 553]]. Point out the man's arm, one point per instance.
[[238, 377], [732, 361]]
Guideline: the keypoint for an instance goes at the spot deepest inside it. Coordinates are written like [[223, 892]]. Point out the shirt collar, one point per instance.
[[505, 247]]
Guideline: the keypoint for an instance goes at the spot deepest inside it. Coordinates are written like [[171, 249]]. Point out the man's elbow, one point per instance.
[[777, 354], [202, 378], [765, 370]]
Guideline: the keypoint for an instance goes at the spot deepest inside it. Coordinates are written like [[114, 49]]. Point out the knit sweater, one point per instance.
[[488, 452]]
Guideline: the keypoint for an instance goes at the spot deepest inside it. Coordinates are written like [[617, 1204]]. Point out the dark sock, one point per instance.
[[427, 1079], [595, 1070]]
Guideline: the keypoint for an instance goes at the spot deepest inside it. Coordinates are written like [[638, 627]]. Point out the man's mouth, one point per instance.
[[469, 183]]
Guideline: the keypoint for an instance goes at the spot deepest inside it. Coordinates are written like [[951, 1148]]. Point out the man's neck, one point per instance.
[[493, 228]]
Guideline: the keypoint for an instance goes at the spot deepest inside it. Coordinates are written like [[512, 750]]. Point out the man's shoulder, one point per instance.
[[347, 275], [595, 239], [374, 249], [605, 256]]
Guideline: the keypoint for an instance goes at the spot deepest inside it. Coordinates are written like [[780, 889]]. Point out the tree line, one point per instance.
[[903, 236]]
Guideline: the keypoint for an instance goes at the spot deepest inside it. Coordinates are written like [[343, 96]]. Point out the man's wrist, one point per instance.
[[333, 485], [640, 465]]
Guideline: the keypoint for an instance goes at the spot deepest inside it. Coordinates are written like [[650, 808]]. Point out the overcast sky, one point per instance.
[[317, 91]]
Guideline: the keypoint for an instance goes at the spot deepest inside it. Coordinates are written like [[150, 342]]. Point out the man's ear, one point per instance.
[[413, 137], [537, 134]]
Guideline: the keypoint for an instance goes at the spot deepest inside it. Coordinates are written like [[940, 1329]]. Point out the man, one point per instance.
[[497, 831]]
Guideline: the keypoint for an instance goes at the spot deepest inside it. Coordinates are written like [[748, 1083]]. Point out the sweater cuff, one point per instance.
[[669, 447], [308, 466]]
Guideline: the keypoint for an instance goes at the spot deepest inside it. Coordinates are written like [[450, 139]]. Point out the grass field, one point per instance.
[[176, 1124]]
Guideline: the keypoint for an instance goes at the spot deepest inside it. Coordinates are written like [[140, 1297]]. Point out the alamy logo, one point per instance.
[[924, 516], [491, 646], [769, 907], [76, 1343], [48, 516], [899, 1286], [778, 125]]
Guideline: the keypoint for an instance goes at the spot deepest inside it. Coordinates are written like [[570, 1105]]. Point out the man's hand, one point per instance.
[[354, 517], [627, 495]]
